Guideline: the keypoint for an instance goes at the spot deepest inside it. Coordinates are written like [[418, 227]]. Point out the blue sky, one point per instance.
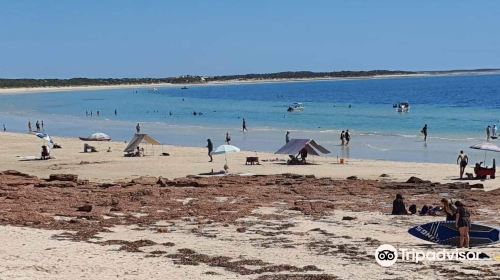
[[61, 39]]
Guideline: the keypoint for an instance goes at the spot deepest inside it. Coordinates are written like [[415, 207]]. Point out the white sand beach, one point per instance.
[[183, 161]]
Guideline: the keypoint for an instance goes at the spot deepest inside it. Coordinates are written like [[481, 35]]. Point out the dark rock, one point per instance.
[[56, 184], [145, 180], [85, 208], [16, 173], [241, 229], [63, 177], [384, 175], [477, 186], [415, 180], [348, 218], [163, 182], [352, 178]]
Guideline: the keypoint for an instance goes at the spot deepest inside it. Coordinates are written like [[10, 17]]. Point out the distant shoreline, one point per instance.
[[31, 90]]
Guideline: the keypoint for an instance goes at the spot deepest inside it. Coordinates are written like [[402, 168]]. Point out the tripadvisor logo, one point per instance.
[[386, 255]]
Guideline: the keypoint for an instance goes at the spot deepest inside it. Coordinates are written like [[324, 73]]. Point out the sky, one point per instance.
[[148, 38]]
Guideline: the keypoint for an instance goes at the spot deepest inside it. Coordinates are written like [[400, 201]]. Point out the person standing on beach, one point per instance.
[[463, 160], [463, 224], [347, 136], [424, 132], [116, 113], [287, 137], [494, 130], [4, 128], [29, 126], [342, 138], [210, 148], [488, 133], [37, 124], [138, 128], [43, 129], [244, 125], [97, 113], [228, 138]]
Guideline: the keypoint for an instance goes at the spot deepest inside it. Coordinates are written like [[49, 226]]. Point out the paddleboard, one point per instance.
[[446, 233]]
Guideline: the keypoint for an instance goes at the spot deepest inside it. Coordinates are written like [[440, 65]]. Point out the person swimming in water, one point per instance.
[[463, 160]]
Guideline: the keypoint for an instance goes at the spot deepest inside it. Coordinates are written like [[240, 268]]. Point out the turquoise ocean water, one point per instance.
[[457, 110]]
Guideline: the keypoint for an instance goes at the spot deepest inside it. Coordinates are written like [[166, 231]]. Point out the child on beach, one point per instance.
[[449, 209]]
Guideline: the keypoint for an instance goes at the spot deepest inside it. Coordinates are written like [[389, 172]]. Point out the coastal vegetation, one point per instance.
[[189, 79]]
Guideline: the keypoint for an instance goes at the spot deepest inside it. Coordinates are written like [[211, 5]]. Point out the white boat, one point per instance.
[[402, 107], [296, 107]]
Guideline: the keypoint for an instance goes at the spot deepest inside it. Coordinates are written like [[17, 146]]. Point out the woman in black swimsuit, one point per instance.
[[463, 224]]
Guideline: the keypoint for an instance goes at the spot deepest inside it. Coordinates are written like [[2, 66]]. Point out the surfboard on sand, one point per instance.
[[446, 233]]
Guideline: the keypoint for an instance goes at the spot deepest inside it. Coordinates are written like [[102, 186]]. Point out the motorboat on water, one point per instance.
[[296, 107], [402, 107], [184, 87]]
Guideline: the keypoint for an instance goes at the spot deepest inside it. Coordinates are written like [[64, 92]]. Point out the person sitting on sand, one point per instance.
[[398, 206], [463, 223], [449, 209], [303, 155], [138, 152], [45, 152], [463, 160]]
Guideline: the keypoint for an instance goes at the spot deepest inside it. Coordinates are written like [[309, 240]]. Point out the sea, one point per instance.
[[457, 110]]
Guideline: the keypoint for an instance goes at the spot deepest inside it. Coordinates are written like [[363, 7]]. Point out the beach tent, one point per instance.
[[294, 146], [139, 139]]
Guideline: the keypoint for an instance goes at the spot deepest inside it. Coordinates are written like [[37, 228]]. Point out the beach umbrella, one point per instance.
[[225, 149], [46, 137], [99, 136], [486, 147]]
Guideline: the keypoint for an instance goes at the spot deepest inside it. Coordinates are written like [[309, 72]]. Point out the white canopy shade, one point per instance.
[[486, 147]]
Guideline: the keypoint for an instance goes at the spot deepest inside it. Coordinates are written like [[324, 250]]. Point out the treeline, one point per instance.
[[308, 75], [17, 83]]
